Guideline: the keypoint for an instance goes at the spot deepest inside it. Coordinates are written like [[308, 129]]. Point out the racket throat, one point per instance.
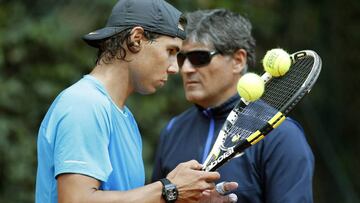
[[227, 155]]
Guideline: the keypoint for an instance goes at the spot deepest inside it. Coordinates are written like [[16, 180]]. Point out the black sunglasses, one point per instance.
[[197, 58]]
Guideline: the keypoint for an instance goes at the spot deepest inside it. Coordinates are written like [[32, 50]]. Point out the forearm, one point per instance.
[[147, 194], [83, 189], [188, 178]]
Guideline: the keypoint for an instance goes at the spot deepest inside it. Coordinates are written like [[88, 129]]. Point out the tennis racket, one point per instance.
[[250, 122]]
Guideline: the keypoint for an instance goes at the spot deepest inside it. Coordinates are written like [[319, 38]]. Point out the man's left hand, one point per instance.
[[218, 195]]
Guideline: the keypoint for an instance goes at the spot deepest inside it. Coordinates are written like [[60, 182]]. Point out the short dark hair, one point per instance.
[[112, 47], [225, 30]]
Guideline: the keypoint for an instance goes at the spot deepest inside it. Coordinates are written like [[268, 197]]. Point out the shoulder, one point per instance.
[[289, 130], [291, 125], [85, 92], [181, 119], [80, 101], [289, 137], [83, 95]]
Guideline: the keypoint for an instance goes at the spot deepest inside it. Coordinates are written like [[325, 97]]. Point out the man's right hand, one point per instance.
[[191, 182]]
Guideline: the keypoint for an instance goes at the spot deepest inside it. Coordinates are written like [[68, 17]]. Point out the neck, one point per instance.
[[115, 78], [220, 98]]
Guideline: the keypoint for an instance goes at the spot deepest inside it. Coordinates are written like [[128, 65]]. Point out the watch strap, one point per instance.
[[166, 183]]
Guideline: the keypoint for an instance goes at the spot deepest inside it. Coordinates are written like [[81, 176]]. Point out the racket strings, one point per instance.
[[278, 93], [281, 95], [249, 119]]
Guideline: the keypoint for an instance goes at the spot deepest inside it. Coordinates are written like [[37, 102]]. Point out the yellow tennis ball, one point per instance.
[[276, 62], [250, 86]]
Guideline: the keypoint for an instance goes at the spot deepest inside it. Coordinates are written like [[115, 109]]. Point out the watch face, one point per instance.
[[171, 192]]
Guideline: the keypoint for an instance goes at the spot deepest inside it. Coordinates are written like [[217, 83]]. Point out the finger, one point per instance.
[[210, 176], [230, 186], [232, 198], [220, 188], [193, 164], [224, 187], [211, 186], [206, 193], [203, 186]]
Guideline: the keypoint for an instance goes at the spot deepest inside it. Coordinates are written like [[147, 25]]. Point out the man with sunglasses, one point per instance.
[[218, 50], [89, 145]]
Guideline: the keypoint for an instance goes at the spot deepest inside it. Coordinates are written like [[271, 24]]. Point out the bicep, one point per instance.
[[81, 144]]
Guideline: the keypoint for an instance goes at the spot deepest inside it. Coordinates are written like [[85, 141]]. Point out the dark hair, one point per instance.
[[112, 47], [226, 31]]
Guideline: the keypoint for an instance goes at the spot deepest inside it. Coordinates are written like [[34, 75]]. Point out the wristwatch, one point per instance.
[[169, 191]]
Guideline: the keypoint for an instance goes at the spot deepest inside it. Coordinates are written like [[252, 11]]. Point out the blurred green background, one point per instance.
[[41, 53]]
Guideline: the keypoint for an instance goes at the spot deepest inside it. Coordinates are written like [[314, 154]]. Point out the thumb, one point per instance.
[[224, 187], [230, 186]]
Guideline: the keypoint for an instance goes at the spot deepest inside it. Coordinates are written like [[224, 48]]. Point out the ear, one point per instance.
[[240, 59], [136, 39]]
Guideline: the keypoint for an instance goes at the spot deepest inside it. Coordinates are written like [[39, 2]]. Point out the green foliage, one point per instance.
[[41, 53]]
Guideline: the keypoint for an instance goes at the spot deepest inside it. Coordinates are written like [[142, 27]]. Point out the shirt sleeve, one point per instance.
[[82, 139], [288, 163]]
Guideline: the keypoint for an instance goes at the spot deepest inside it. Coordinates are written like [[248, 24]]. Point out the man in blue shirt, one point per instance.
[[218, 50], [89, 145]]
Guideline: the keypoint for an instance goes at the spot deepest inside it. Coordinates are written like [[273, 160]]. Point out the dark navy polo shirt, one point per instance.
[[278, 169]]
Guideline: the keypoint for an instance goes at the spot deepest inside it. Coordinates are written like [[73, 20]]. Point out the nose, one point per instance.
[[187, 67], [173, 68]]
